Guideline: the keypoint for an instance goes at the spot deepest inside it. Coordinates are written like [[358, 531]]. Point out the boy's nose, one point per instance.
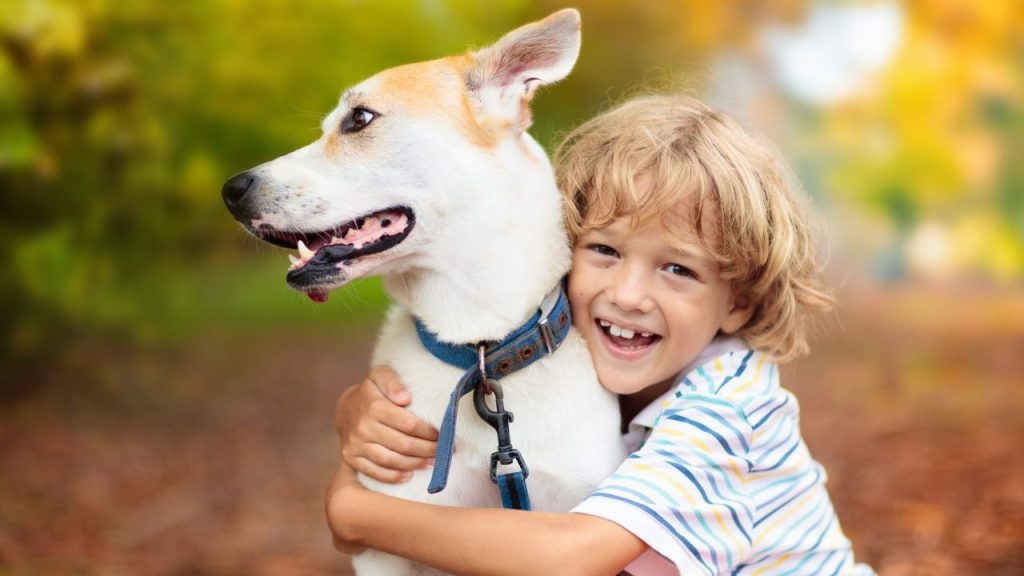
[[631, 291]]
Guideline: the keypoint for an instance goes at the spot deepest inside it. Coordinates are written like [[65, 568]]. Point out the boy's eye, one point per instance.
[[603, 249], [679, 270]]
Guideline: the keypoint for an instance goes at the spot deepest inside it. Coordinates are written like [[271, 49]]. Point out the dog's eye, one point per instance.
[[357, 119]]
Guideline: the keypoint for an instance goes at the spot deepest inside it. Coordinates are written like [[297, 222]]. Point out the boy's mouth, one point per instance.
[[627, 340]]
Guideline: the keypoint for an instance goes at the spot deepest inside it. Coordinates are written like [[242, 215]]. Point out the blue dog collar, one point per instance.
[[539, 336]]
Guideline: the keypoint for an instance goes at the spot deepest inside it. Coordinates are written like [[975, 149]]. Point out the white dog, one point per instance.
[[425, 175]]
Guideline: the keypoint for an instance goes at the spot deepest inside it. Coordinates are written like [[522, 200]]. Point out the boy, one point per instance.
[[693, 274]]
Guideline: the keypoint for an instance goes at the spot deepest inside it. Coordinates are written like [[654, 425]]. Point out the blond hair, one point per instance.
[[693, 160]]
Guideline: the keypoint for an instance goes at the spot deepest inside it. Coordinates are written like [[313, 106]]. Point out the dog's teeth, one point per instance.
[[335, 240], [304, 252], [293, 259]]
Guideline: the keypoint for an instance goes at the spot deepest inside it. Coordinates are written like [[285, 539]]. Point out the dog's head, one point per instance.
[[399, 156]]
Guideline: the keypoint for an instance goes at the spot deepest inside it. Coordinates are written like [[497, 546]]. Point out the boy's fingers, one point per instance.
[[389, 384], [403, 421], [387, 458], [371, 470], [402, 443]]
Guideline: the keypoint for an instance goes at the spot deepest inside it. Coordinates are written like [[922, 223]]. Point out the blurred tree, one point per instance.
[[934, 143], [120, 120]]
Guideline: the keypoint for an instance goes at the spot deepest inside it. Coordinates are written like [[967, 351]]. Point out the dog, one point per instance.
[[425, 175]]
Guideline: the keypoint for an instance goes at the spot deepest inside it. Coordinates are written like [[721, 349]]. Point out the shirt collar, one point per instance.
[[718, 347]]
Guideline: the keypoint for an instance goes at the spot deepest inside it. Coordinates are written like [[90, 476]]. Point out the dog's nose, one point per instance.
[[236, 188]]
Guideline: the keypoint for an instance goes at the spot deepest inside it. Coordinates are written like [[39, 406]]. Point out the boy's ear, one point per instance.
[[738, 316], [506, 75]]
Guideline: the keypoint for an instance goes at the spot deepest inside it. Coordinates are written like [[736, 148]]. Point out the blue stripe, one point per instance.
[[788, 437], [781, 460], [787, 502], [699, 426], [823, 516], [725, 478], [619, 488], [743, 366], [652, 486], [807, 559], [704, 495], [755, 410], [707, 378], [768, 415], [724, 546], [782, 493], [739, 435], [707, 545]]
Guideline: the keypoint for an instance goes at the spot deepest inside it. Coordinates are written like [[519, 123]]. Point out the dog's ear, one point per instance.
[[506, 75]]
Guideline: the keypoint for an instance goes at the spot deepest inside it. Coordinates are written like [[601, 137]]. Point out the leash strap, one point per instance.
[[539, 336], [512, 488]]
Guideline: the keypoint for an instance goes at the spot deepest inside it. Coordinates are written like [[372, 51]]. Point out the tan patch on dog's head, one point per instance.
[[439, 88]]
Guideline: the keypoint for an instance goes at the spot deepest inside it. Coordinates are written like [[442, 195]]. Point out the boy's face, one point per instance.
[[647, 308]]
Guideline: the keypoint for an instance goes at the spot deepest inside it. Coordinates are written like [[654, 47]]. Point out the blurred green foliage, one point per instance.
[[120, 119]]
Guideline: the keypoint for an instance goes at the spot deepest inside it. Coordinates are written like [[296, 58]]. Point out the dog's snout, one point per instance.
[[234, 193], [237, 187]]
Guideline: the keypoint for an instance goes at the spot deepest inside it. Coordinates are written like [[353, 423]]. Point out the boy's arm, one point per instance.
[[477, 540]]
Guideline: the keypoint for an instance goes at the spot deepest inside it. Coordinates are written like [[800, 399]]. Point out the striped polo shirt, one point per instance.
[[720, 480]]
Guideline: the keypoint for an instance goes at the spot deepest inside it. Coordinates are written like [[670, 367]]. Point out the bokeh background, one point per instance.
[[166, 401]]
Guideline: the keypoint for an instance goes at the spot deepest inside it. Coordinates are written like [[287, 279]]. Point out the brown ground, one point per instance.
[[213, 459]]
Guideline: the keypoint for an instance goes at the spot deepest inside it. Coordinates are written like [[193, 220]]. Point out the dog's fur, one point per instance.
[[447, 162]]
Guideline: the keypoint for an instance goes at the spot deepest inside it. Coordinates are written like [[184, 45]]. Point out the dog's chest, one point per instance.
[[565, 424]]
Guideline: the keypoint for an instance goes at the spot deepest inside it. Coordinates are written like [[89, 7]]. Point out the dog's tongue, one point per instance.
[[317, 296]]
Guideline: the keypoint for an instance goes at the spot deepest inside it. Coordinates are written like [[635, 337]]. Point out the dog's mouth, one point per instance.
[[324, 254]]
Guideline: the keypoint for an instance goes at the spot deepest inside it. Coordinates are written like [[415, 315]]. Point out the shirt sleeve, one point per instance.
[[683, 492]]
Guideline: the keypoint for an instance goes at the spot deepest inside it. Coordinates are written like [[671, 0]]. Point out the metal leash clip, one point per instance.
[[499, 419]]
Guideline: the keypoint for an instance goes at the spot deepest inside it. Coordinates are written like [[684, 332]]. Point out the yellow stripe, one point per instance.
[[718, 511], [797, 460], [732, 463], [756, 377], [793, 509], [782, 559], [675, 483]]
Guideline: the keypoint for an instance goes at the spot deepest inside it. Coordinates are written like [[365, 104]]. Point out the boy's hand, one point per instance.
[[379, 437]]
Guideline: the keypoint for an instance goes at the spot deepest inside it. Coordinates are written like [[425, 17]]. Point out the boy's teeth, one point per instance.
[[304, 252], [620, 332]]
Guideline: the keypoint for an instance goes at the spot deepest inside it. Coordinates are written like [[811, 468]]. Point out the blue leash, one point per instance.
[[538, 337]]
